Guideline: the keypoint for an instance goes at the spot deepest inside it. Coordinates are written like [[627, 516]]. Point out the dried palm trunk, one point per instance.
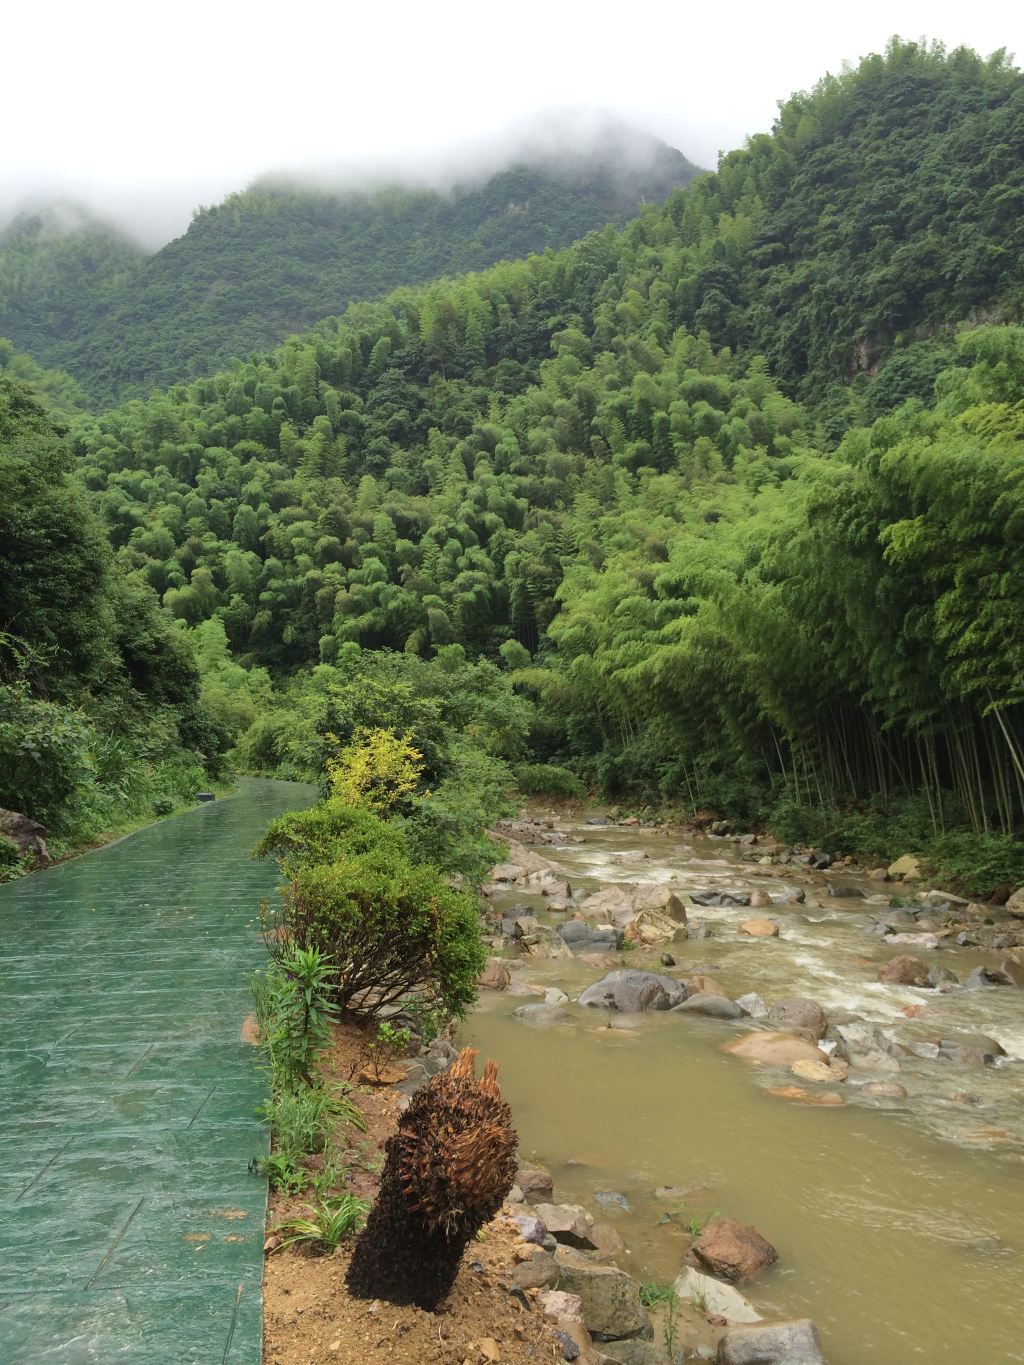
[[446, 1173]]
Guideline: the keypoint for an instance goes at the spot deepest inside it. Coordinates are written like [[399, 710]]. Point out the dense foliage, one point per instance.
[[278, 257], [100, 718]]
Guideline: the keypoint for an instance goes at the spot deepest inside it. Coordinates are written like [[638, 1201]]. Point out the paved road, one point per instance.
[[130, 1227]]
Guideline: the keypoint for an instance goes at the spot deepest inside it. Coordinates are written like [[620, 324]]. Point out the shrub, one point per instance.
[[378, 769], [975, 864], [327, 833], [45, 756], [390, 928], [548, 779]]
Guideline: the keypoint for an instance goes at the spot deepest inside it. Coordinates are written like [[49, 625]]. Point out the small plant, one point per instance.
[[330, 1221], [654, 1294], [327, 1180], [283, 1174], [699, 1301], [301, 1013], [388, 1043]]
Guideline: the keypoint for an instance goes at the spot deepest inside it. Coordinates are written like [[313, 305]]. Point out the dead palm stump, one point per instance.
[[446, 1173]]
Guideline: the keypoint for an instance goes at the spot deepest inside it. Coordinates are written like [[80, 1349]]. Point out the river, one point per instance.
[[899, 1225]]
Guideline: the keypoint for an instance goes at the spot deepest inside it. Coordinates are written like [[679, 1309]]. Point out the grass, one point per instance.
[[329, 1223], [654, 1294]]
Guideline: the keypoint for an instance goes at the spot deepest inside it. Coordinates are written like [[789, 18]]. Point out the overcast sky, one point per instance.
[[148, 109]]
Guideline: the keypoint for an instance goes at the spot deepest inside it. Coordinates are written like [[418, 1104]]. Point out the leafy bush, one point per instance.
[[390, 928], [45, 756], [378, 769], [326, 833], [548, 779], [975, 864]]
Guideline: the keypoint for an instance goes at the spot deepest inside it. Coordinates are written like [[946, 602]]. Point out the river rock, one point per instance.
[[794, 1342], [759, 900], [980, 979], [753, 1004], [819, 859], [724, 898], [1011, 972], [884, 1090], [634, 1352], [607, 1241], [621, 904], [922, 941], [633, 991], [508, 872], [701, 982], [819, 1072], [651, 928], [584, 937], [820, 1099], [970, 1049], [556, 1303], [760, 928], [534, 1181], [540, 1272], [773, 1048], [559, 889], [542, 1016], [1015, 904], [941, 976], [719, 1297], [569, 1224], [904, 971], [495, 976], [613, 1201], [611, 1299], [531, 1228], [732, 1250], [796, 1014], [906, 868], [712, 1006], [24, 835]]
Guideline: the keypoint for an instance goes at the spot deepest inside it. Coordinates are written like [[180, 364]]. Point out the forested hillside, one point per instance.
[[666, 479], [100, 717], [275, 259]]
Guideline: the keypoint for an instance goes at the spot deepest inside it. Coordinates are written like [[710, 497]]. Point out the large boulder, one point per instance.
[[633, 992], [621, 904], [534, 1181], [611, 1300], [712, 1006], [24, 835], [495, 976], [760, 928], [542, 1015], [652, 928], [798, 1015], [904, 971], [1015, 905], [731, 1250], [970, 1049], [795, 1342], [773, 1048], [582, 936], [569, 1224], [908, 867], [726, 898]]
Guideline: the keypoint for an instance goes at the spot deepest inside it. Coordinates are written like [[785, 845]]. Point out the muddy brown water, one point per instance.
[[900, 1227]]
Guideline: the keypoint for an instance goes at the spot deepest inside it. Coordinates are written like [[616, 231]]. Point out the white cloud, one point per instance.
[[151, 109]]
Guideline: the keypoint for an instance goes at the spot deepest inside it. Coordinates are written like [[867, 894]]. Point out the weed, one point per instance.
[[653, 1294], [329, 1223], [378, 1054], [283, 1173], [699, 1301]]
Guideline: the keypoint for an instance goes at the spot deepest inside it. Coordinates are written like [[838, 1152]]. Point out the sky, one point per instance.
[[144, 111]]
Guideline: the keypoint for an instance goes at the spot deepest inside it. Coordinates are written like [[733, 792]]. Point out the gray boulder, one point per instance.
[[798, 1015], [569, 1224], [970, 1049], [795, 1342], [713, 1006], [753, 1004], [633, 992], [584, 937], [611, 1300], [727, 898]]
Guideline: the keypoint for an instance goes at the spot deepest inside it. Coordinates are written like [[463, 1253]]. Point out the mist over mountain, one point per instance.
[[79, 294]]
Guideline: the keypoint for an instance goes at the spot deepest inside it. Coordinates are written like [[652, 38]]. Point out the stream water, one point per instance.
[[899, 1224]]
